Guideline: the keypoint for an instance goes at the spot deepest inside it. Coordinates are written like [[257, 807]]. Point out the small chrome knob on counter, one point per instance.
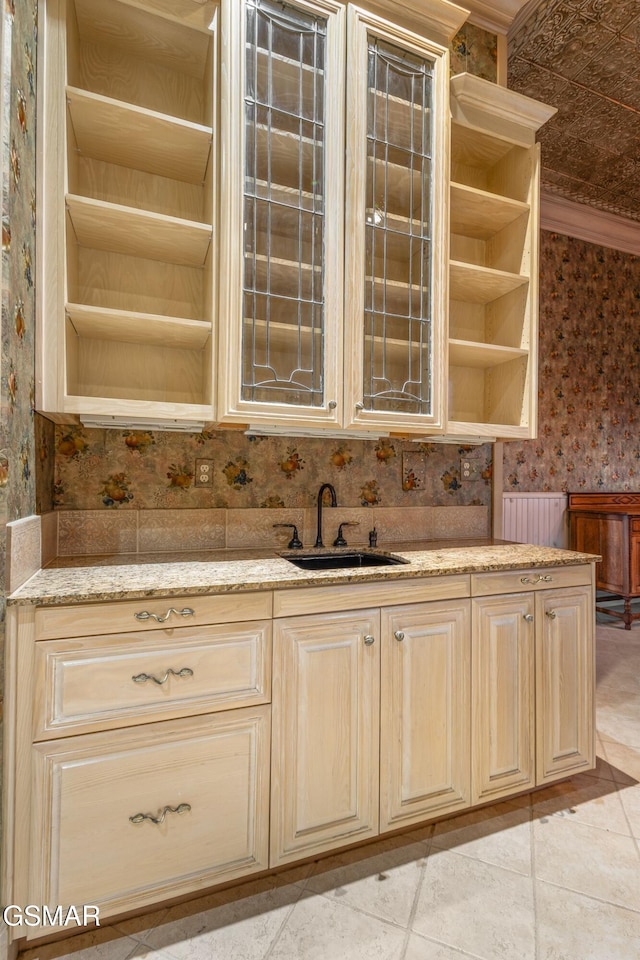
[[528, 617], [399, 635], [369, 640]]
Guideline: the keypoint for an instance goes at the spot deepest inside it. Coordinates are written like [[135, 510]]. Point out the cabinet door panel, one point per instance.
[[326, 733], [425, 715], [565, 670], [87, 789], [502, 714]]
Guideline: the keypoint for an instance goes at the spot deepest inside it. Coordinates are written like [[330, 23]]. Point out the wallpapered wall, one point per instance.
[[116, 469], [589, 373]]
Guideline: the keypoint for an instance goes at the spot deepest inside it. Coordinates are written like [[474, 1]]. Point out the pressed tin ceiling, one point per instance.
[[583, 57]]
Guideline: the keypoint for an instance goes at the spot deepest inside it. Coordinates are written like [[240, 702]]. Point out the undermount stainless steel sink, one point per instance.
[[339, 561]]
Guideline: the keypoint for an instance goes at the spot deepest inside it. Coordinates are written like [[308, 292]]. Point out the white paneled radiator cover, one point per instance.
[[535, 518]]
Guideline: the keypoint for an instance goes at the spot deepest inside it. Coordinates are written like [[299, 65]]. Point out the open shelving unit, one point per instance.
[[493, 269], [129, 226]]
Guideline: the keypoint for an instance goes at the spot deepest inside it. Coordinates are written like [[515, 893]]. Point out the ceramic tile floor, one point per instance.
[[555, 876]]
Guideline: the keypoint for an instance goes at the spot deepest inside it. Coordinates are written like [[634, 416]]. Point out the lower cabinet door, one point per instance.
[[325, 771], [122, 819], [425, 711], [565, 682], [503, 696]]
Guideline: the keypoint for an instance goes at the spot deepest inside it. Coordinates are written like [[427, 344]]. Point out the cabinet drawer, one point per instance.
[[88, 849], [93, 619], [540, 578], [95, 682]]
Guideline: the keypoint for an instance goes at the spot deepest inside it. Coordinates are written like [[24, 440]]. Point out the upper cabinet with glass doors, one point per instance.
[[316, 331]]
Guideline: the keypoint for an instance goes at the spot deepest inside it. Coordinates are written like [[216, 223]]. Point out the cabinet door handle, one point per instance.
[[528, 617], [551, 614], [539, 579], [145, 615], [143, 677], [369, 640], [139, 817], [399, 635]]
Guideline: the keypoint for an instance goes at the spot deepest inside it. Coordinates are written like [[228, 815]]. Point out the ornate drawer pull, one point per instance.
[[143, 677], [181, 808], [145, 615], [546, 579]]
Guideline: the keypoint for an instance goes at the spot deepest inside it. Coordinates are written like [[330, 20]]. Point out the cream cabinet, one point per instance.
[[565, 683], [127, 217], [147, 745], [333, 277], [425, 711], [534, 677], [370, 723], [493, 268], [503, 697], [325, 732]]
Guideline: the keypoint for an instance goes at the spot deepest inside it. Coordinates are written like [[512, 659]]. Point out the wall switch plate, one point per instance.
[[204, 473], [470, 468]]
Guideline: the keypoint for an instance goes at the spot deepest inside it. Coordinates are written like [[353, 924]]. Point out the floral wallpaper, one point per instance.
[[589, 373], [117, 469], [474, 50]]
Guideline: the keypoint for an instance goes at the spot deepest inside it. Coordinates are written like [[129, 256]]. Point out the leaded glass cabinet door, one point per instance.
[[282, 212], [396, 227]]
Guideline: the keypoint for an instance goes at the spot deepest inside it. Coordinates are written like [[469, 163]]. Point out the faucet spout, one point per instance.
[[334, 503]]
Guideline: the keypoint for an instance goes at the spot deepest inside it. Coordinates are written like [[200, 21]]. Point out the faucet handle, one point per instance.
[[340, 540], [295, 543]]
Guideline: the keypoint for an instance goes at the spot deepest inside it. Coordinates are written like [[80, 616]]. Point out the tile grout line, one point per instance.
[[534, 883], [416, 898], [278, 934]]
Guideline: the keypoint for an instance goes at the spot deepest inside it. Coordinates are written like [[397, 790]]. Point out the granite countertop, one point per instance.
[[99, 579]]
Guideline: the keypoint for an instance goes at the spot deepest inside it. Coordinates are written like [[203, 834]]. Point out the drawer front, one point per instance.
[[96, 682], [353, 596], [93, 837], [157, 613], [540, 578]]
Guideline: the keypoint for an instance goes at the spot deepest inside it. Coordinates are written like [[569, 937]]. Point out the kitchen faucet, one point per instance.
[[334, 503]]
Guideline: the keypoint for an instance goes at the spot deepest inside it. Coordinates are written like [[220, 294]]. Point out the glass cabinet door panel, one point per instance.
[[284, 205], [398, 281]]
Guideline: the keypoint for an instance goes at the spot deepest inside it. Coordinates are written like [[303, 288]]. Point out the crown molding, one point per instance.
[[527, 9], [586, 223], [497, 15]]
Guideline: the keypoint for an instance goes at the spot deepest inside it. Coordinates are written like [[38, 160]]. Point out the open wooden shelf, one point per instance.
[[466, 353], [479, 214], [122, 133], [139, 233], [477, 284], [128, 326]]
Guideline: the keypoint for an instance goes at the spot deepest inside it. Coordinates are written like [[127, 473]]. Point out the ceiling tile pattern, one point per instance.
[[583, 57]]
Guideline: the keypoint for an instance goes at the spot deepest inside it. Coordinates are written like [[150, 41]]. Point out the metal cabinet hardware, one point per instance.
[[181, 808], [145, 615], [528, 617], [551, 614], [399, 635], [369, 640], [143, 677], [540, 579]]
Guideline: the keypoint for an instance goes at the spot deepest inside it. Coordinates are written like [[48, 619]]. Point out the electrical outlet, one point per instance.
[[204, 473], [470, 468]]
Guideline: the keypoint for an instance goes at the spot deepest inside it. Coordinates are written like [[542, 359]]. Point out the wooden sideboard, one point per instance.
[[608, 524]]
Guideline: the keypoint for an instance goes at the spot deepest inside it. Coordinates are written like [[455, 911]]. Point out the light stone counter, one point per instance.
[[118, 581]]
